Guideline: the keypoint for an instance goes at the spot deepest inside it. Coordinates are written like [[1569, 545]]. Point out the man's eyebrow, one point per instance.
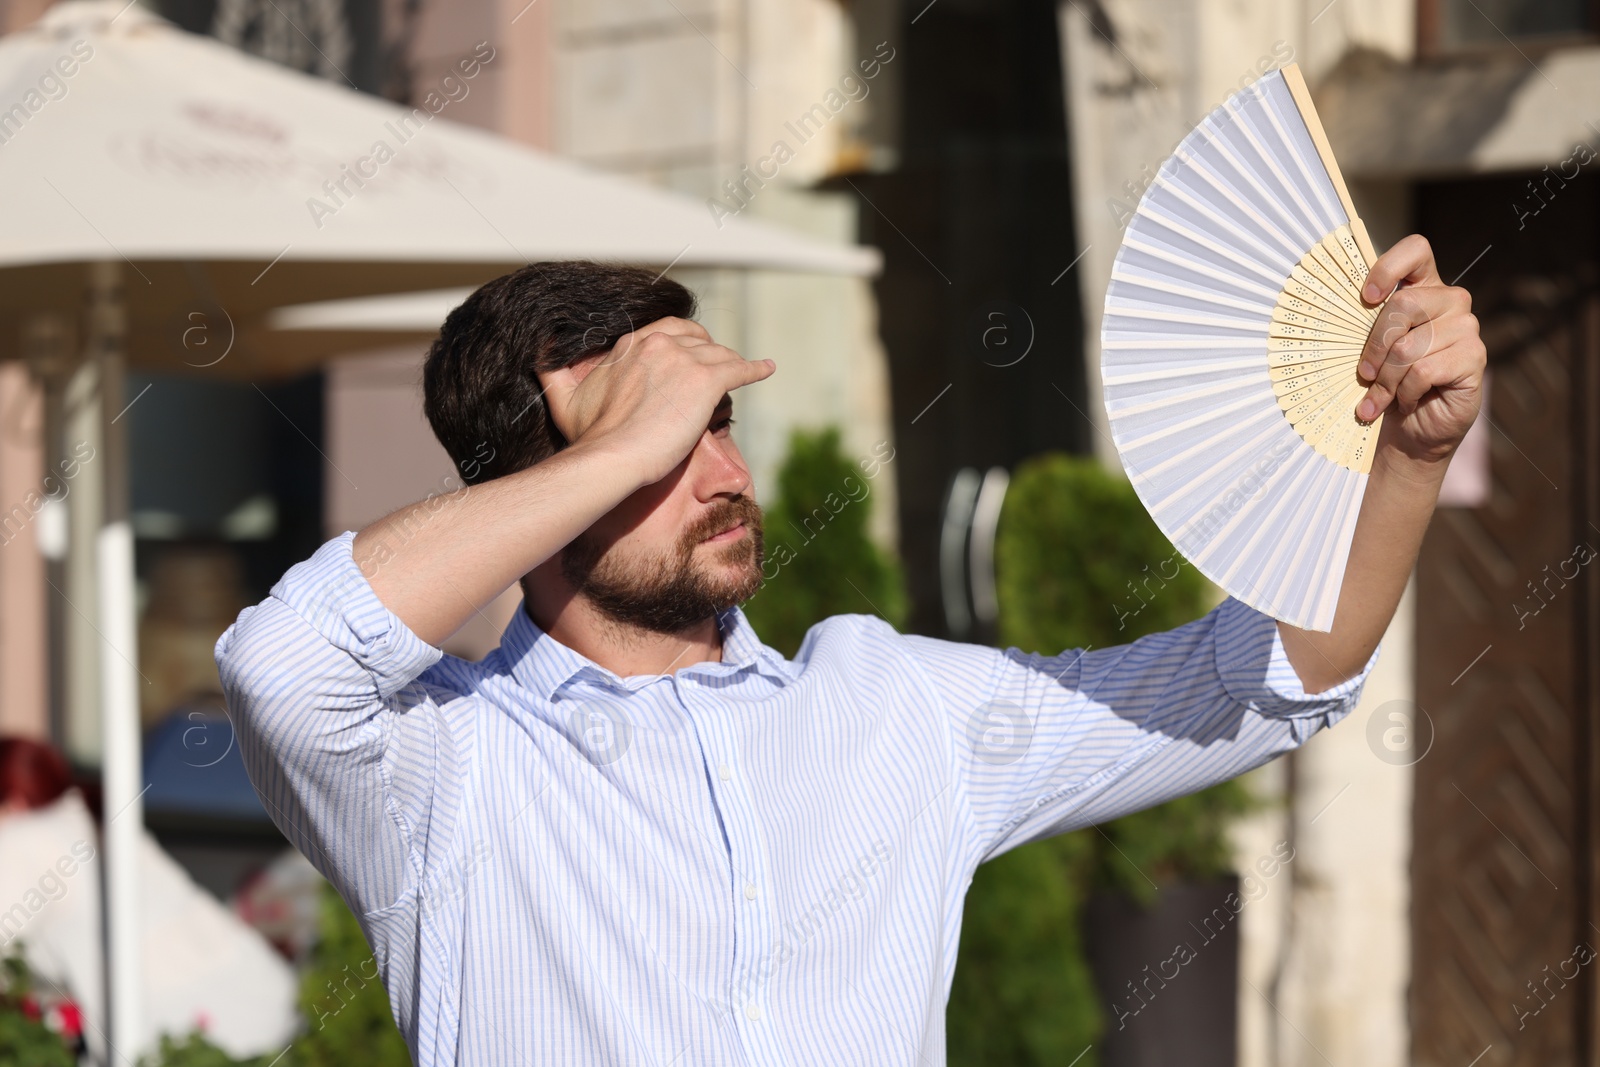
[[725, 402]]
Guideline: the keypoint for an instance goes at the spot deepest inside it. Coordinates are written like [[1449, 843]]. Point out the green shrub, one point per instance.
[[25, 1041], [194, 1050], [1079, 563], [1023, 992], [819, 559], [345, 1006]]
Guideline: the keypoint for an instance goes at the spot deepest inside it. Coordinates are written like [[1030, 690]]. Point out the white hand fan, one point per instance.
[[1233, 327]]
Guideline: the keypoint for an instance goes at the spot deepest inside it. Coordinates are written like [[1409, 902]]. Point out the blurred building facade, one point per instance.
[[1444, 839]]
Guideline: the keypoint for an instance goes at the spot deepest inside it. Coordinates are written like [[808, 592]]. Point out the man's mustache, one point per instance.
[[722, 515]]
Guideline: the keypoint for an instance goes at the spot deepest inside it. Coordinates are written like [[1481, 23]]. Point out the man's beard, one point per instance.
[[672, 592]]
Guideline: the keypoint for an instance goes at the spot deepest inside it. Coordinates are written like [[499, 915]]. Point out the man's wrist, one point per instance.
[[614, 463], [1422, 473]]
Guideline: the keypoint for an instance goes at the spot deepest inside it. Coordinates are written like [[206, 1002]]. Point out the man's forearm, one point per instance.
[[1423, 363], [1399, 501], [437, 562]]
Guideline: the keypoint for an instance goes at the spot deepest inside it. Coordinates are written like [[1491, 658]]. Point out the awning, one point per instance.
[[1480, 114]]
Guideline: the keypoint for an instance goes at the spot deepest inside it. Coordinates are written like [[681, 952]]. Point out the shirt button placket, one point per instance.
[[752, 929]]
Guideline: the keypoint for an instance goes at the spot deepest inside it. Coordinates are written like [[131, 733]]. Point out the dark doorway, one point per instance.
[[1508, 651], [975, 224]]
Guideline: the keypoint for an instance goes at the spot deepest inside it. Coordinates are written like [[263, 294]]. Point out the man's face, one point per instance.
[[678, 551]]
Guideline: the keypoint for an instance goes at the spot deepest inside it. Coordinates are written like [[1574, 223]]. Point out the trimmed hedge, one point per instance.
[[819, 559]]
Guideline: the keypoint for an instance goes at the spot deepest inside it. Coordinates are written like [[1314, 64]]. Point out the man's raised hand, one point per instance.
[[1424, 358], [651, 397]]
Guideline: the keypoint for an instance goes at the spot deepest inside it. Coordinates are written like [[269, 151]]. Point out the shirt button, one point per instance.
[[752, 1011], [749, 891], [724, 772]]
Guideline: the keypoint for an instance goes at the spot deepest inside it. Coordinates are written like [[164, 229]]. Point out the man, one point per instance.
[[635, 834]]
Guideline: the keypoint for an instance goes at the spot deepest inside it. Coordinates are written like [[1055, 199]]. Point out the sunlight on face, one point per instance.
[[671, 590], [645, 566]]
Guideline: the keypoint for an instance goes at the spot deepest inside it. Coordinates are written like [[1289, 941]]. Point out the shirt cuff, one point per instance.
[[333, 596], [1256, 671]]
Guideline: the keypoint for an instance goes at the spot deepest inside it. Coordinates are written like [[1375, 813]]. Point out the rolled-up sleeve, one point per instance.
[[341, 741], [1048, 744]]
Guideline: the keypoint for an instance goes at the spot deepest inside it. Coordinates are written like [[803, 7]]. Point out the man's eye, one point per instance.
[[722, 424]]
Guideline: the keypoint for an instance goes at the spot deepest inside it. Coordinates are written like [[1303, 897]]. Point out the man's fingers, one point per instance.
[[673, 326], [1409, 261], [1452, 365], [668, 339], [689, 331], [741, 371], [1415, 323], [1407, 320], [1424, 344], [1410, 352], [676, 326], [1449, 366], [674, 363]]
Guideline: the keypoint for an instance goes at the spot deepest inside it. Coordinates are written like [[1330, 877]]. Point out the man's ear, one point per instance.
[[581, 369], [548, 375]]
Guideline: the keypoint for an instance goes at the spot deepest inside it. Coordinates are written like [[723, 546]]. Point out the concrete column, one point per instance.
[[25, 696]]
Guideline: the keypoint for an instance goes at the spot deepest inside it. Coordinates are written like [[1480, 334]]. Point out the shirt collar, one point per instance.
[[541, 663], [742, 647]]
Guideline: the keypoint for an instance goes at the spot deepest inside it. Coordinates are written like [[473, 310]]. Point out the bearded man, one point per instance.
[[634, 834]]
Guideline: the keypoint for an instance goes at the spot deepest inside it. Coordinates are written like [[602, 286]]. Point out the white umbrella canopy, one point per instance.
[[310, 334], [207, 172]]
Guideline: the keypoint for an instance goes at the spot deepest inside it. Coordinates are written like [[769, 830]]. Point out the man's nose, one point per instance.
[[718, 469]]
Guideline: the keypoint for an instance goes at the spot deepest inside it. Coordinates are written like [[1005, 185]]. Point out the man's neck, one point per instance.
[[624, 650]]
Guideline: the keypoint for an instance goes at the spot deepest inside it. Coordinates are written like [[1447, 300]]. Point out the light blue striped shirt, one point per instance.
[[755, 861]]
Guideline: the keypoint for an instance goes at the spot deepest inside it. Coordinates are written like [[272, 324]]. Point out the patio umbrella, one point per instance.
[[309, 334], [158, 183], [205, 171]]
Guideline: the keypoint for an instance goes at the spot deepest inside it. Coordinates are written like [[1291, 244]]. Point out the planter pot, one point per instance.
[[1167, 975]]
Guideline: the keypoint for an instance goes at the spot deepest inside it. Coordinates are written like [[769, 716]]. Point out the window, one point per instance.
[[1449, 25]]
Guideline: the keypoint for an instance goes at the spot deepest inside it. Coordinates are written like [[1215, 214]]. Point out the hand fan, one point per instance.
[[1233, 326]]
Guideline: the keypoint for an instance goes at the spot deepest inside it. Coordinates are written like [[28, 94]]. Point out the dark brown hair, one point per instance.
[[480, 390]]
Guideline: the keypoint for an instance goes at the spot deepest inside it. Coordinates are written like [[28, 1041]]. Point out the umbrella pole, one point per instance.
[[119, 693]]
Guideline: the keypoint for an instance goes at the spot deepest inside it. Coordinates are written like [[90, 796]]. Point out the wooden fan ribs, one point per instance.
[[1318, 389], [1309, 287]]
